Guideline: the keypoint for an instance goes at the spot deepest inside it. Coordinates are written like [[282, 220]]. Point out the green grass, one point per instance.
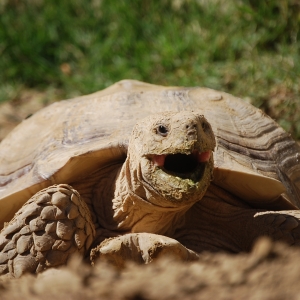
[[249, 48]]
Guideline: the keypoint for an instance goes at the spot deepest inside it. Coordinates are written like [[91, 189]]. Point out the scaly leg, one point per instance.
[[214, 225], [50, 226]]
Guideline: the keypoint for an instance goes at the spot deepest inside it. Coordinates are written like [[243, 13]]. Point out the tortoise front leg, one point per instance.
[[50, 226], [279, 225], [141, 248]]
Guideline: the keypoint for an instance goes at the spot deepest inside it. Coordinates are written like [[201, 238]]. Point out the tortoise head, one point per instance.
[[172, 155]]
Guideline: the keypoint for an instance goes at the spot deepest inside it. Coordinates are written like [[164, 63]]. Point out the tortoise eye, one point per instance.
[[162, 130]]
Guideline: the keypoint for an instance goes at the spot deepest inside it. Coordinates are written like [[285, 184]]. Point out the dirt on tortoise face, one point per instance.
[[270, 271]]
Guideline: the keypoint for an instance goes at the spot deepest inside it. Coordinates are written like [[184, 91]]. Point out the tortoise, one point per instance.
[[139, 171]]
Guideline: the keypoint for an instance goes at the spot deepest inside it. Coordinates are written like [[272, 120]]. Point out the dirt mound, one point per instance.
[[271, 271]]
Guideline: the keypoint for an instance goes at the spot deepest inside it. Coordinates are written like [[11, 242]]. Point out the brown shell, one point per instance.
[[255, 159]]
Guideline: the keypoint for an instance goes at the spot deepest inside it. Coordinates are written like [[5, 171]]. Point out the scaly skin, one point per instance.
[[223, 222], [51, 226]]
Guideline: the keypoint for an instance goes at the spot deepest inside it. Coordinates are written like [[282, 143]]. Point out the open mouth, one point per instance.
[[185, 166]]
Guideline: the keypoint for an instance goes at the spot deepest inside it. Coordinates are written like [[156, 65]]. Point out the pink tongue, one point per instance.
[[159, 160], [204, 156]]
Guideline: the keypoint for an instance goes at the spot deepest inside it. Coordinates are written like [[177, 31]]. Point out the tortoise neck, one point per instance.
[[136, 206]]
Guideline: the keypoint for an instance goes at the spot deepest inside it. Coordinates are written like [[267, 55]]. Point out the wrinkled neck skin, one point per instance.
[[138, 207]]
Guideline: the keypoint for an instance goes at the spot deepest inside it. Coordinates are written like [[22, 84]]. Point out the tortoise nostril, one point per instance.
[[191, 126]]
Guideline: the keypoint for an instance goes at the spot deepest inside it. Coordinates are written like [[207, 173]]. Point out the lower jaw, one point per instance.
[[180, 190]]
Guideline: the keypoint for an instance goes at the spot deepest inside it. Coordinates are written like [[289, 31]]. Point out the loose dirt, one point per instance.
[[270, 271]]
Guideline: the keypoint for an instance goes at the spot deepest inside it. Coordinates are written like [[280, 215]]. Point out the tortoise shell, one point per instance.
[[255, 159]]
